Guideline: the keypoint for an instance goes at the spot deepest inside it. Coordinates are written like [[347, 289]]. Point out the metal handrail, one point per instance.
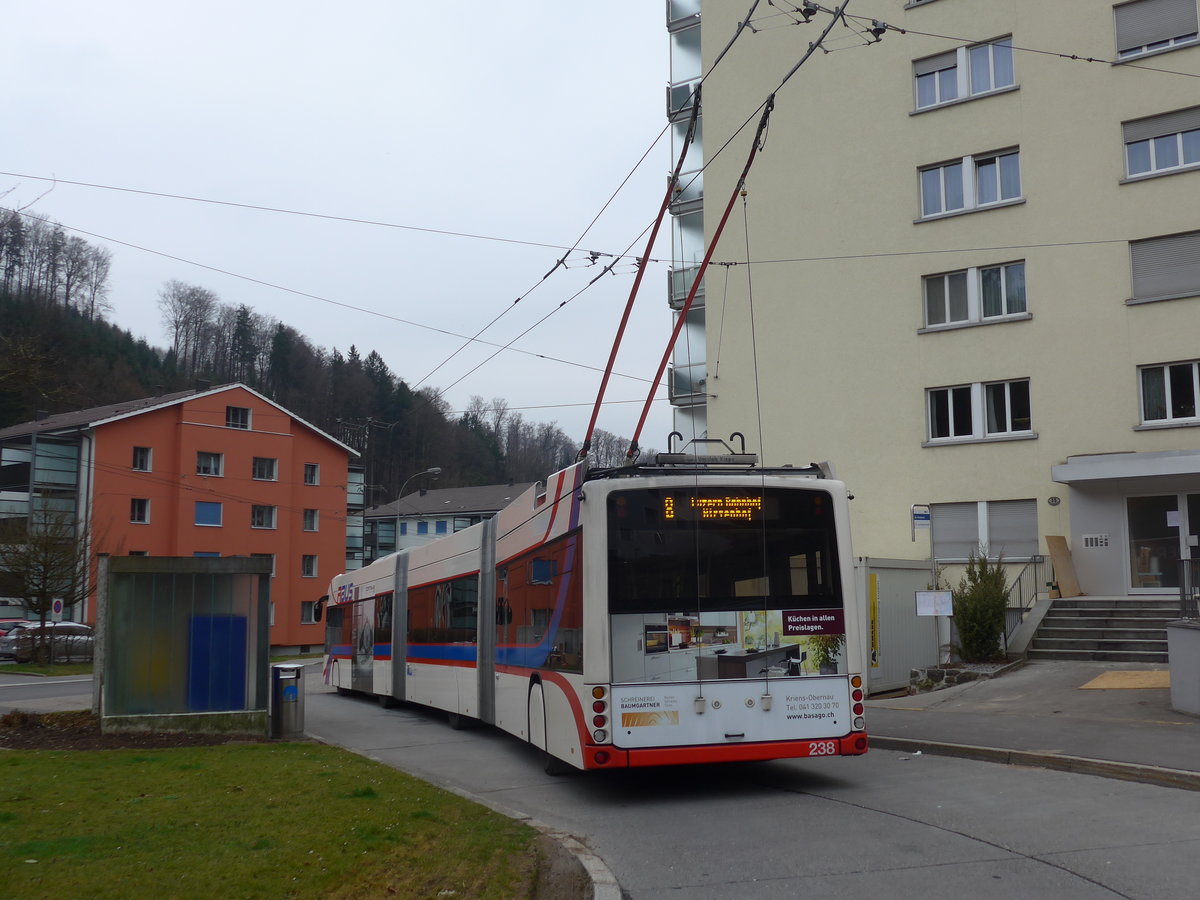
[[1023, 593], [1189, 589]]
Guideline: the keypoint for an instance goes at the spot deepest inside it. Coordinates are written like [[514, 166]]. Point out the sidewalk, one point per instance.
[[1041, 715]]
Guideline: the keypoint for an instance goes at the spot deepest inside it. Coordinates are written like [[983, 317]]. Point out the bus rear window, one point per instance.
[[706, 548]]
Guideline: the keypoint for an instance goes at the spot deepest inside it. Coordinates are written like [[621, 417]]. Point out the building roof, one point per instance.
[[481, 500], [81, 419], [78, 419]]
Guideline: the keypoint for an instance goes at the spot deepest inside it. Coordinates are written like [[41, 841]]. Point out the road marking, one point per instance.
[[58, 681]]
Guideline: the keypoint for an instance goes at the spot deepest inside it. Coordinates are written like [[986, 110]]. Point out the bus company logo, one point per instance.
[[801, 622], [641, 719], [344, 594]]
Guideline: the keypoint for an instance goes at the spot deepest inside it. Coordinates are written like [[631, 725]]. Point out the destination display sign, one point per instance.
[[746, 509]]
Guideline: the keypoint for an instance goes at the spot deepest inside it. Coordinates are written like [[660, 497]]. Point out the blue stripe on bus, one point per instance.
[[455, 652]]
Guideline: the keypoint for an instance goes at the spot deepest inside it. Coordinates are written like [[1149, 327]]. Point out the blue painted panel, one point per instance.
[[217, 663]]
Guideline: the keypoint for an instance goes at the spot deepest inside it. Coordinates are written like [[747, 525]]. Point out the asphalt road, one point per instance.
[[889, 824], [885, 825], [44, 694]]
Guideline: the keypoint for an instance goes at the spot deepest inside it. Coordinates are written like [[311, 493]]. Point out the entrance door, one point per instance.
[[1154, 542]]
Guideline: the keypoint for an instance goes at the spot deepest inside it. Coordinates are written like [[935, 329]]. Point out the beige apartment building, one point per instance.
[[966, 268]]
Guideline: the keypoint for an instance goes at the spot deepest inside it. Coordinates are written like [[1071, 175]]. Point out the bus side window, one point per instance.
[[504, 613]]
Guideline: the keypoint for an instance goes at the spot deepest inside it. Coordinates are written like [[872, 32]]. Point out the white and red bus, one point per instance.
[[646, 615]]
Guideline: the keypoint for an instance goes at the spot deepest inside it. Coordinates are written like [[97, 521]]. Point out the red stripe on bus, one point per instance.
[[554, 510], [426, 661], [853, 745], [567, 688]]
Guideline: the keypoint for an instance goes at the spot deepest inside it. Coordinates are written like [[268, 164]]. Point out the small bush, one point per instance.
[[979, 606]]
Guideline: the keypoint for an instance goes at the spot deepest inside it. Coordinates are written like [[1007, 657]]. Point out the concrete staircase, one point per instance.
[[1110, 629]]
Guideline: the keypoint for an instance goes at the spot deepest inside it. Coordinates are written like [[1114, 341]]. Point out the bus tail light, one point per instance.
[[859, 723], [600, 736], [600, 721]]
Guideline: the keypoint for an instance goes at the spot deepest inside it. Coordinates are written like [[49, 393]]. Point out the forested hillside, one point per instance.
[[57, 353]]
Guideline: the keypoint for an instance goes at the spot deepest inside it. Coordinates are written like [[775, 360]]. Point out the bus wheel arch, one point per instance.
[[538, 733]]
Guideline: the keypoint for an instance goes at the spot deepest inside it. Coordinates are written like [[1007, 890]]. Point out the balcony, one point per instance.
[[686, 385], [679, 282]]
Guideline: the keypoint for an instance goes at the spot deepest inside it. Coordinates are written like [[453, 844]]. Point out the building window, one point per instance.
[[403, 528], [1165, 268], [441, 527], [237, 417], [312, 473], [1007, 407], [210, 463], [979, 411], [974, 182], [951, 413], [264, 468], [139, 511], [1162, 143], [207, 554], [139, 552], [1148, 26], [1169, 393], [422, 528], [270, 556], [963, 73], [1005, 528], [307, 612], [262, 516], [143, 459], [208, 513], [976, 294], [310, 520], [308, 566], [542, 571]]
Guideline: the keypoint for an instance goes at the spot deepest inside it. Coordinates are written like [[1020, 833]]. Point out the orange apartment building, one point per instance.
[[212, 472]]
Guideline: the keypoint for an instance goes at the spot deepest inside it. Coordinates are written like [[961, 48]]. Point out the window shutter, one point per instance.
[[1166, 267], [1167, 123], [935, 63], [1012, 528], [1146, 21], [955, 529]]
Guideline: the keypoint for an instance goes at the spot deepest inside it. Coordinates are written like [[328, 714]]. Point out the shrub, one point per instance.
[[979, 606]]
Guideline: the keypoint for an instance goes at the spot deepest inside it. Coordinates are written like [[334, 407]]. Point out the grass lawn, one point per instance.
[[246, 820], [61, 670]]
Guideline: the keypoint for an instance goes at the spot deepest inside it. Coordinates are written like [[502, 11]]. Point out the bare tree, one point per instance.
[[95, 283], [44, 558], [187, 312]]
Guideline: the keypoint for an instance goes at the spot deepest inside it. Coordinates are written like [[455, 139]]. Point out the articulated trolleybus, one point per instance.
[[638, 616]]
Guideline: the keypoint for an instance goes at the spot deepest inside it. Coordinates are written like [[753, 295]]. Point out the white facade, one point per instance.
[[973, 268]]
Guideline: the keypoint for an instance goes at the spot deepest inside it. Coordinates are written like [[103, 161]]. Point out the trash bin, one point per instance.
[[287, 699]]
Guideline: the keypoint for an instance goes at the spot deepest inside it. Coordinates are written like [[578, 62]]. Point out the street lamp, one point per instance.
[[435, 471]]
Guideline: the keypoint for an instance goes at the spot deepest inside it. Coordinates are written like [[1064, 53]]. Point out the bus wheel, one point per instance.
[[459, 722], [344, 692], [555, 766], [387, 701]]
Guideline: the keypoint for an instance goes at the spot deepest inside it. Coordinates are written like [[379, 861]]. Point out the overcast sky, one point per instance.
[[508, 120]]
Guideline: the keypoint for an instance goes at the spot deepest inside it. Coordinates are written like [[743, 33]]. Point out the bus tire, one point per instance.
[[459, 722], [556, 767], [387, 701], [344, 692]]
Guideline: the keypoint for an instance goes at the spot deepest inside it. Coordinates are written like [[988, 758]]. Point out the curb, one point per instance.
[[1079, 765]]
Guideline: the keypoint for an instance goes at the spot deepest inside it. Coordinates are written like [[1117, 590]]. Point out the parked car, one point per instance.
[[64, 642]]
